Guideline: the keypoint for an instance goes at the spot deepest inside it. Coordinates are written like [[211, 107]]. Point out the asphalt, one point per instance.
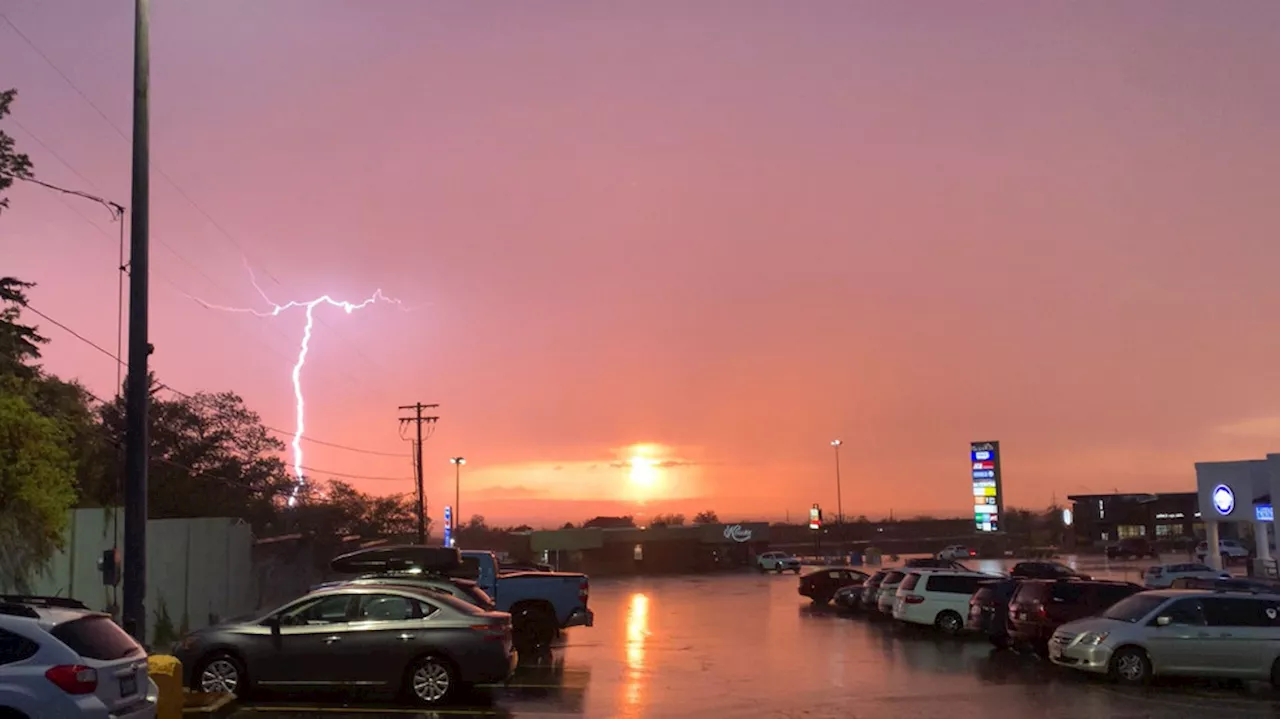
[[747, 645]]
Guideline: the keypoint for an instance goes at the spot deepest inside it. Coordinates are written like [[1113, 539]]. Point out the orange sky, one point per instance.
[[734, 231]]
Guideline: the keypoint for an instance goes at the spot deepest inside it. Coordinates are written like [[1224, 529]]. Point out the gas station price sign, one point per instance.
[[988, 499]]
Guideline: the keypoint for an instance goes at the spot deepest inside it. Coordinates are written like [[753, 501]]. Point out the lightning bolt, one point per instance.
[[304, 348]]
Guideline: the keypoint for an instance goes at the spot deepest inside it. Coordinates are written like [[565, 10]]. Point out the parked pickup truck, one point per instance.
[[540, 603]]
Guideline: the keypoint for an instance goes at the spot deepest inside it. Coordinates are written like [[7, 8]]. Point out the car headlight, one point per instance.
[[1092, 639]]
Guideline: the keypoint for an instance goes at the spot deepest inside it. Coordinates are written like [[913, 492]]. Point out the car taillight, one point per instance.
[[492, 631], [74, 678], [1041, 610], [914, 599], [973, 552], [584, 591]]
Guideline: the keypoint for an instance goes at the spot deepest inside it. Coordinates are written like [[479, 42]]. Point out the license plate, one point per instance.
[[129, 685]]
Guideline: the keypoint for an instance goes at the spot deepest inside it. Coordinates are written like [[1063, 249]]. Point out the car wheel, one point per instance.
[[1000, 641], [430, 680], [535, 627], [1275, 674], [1130, 665], [949, 623], [220, 673]]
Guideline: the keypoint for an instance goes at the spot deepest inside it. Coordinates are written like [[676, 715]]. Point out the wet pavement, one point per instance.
[[747, 645]]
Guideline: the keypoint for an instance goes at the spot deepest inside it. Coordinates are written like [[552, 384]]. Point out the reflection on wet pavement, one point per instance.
[[749, 646]]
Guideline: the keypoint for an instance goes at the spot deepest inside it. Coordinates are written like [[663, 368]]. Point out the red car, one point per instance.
[[1040, 606]]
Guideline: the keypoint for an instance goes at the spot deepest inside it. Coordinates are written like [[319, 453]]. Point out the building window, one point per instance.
[[638, 552], [1169, 530], [1102, 511], [1125, 531]]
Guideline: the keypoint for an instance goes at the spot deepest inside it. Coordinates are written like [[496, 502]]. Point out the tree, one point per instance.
[[37, 488], [336, 507], [12, 163], [476, 524], [707, 516], [19, 343], [667, 520]]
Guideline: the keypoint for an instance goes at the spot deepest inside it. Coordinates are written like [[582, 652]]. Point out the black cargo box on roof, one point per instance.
[[402, 558]]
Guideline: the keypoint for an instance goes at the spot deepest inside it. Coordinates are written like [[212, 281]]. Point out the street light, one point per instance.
[[457, 463], [835, 444]]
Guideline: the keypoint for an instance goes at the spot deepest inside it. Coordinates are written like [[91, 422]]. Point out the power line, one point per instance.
[[184, 395]]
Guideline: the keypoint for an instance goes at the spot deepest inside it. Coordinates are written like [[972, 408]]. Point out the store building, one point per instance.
[[1101, 519], [1234, 499], [651, 550]]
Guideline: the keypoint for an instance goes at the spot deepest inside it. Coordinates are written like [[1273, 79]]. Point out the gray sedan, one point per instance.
[[418, 642]]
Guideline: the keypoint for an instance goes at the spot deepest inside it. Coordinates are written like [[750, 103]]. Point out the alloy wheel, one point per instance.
[[220, 676], [431, 682]]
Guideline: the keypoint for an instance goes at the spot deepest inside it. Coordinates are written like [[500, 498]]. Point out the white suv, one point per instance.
[[59, 660], [937, 597]]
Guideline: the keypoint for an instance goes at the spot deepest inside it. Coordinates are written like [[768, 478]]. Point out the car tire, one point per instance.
[[1130, 665], [535, 627], [7, 713], [796, 570], [949, 623], [1275, 674], [430, 680], [219, 673], [1000, 641]]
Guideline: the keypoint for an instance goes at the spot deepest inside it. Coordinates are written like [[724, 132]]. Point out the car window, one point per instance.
[[97, 637], [1134, 608], [324, 610], [14, 648], [892, 578], [1185, 612], [1241, 612], [387, 608], [1067, 592], [910, 582], [952, 584]]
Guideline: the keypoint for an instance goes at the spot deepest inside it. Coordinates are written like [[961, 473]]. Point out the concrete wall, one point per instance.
[[199, 569]]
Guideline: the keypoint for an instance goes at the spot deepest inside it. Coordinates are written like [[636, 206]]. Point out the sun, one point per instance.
[[644, 473]]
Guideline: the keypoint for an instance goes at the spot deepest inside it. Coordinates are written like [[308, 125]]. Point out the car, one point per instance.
[[1162, 576], [821, 584], [1132, 548], [957, 551], [937, 598], [430, 577], [1045, 570], [871, 590], [540, 603], [1209, 634], [417, 642], [1233, 584], [59, 660], [1039, 606], [888, 591], [848, 598], [1228, 549], [989, 610], [777, 562]]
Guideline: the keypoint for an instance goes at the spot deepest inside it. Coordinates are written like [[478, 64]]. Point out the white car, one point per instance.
[[59, 660], [1229, 549], [1162, 576], [777, 562], [957, 551], [937, 598]]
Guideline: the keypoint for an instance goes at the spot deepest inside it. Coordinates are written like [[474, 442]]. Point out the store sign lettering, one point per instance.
[[736, 533]]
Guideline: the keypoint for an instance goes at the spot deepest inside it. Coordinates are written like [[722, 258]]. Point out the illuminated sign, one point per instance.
[[984, 474], [1170, 515], [1264, 513], [815, 517], [448, 526], [1067, 517], [736, 533], [1224, 500]]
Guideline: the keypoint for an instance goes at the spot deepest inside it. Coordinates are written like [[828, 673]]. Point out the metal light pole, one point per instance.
[[457, 463], [835, 443]]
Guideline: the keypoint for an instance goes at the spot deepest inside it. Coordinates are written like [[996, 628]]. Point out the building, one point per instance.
[[1101, 519], [652, 550]]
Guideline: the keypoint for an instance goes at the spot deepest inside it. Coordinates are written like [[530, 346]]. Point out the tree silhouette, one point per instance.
[[707, 516]]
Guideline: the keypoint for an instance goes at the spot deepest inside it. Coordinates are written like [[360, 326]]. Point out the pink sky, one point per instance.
[[731, 230]]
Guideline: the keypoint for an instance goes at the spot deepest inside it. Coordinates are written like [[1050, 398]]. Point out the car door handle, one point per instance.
[[1202, 635], [331, 640], [405, 637], [1224, 635]]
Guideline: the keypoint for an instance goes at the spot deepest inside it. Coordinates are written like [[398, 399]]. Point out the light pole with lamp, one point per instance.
[[457, 463], [835, 443]]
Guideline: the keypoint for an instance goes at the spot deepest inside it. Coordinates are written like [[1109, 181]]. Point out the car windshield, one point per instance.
[[1134, 608], [892, 578]]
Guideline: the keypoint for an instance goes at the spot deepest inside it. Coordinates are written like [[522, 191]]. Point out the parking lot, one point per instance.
[[748, 645]]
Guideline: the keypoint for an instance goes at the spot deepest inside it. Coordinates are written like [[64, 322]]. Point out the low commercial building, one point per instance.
[[651, 550], [1101, 519]]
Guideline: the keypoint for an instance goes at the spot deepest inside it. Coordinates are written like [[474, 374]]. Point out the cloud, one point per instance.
[[509, 492], [665, 464], [1256, 427]]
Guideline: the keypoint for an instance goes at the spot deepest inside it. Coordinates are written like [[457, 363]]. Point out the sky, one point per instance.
[[655, 255]]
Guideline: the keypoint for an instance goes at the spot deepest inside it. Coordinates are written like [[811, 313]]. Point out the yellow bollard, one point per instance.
[[166, 672]]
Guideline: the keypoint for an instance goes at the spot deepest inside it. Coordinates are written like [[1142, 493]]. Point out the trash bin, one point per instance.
[[855, 559]]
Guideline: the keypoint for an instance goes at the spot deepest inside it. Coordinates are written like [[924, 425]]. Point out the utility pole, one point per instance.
[[137, 395], [418, 419], [839, 501], [457, 463]]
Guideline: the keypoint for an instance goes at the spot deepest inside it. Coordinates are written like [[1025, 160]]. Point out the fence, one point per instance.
[[199, 571]]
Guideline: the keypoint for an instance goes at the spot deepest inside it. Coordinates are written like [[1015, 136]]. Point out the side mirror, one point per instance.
[[1163, 621]]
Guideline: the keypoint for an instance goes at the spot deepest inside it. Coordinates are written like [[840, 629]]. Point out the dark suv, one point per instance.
[[1045, 570], [1040, 606], [1132, 548]]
